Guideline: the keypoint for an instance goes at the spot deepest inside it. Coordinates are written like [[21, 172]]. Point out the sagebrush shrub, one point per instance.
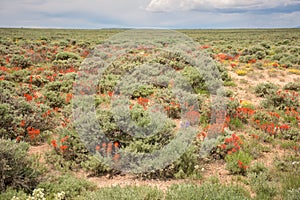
[[281, 100], [16, 167], [264, 89], [292, 86], [67, 56], [20, 61]]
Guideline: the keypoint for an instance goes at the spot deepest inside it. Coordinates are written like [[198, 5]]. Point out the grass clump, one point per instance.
[[206, 191], [128, 192]]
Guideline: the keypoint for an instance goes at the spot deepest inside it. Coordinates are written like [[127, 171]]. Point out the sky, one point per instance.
[[96, 14]]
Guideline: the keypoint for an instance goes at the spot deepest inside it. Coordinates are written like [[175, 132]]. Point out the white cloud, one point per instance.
[[135, 13], [175, 5]]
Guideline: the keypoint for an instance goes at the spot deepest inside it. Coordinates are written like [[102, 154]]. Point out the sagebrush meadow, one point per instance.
[[247, 149]]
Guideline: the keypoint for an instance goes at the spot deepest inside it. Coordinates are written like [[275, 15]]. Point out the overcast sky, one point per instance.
[[150, 13]]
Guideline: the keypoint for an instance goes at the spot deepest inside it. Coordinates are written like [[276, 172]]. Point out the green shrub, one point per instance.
[[164, 97], [60, 86], [186, 166], [254, 147], [67, 56], [19, 75], [260, 55], [125, 193], [95, 167], [281, 100], [74, 156], [258, 168], [264, 89], [291, 134], [108, 83], [143, 91], [62, 65], [289, 163], [236, 123], [138, 117], [206, 191], [292, 86], [262, 185], [15, 110], [228, 93], [10, 193], [16, 168], [246, 58], [195, 79], [20, 61], [70, 185], [232, 105], [290, 180], [292, 194], [54, 99], [262, 117], [238, 163], [266, 45]]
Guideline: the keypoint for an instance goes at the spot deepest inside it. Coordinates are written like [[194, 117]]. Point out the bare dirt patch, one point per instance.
[[128, 180]]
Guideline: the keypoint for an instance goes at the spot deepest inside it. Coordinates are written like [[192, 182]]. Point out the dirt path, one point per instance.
[[125, 180], [40, 151]]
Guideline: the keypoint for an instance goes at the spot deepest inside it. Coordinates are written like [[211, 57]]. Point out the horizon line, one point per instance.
[[170, 28]]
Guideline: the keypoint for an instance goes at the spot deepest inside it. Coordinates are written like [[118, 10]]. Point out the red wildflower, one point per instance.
[[54, 144], [63, 147], [33, 132], [116, 144], [235, 144], [28, 97], [252, 61], [69, 97], [143, 101], [97, 148], [235, 137], [205, 47], [240, 163], [228, 140], [295, 148], [233, 65], [223, 146], [110, 93], [255, 136], [22, 123], [64, 139]]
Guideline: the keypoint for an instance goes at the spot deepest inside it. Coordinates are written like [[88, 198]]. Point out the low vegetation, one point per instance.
[[253, 134]]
